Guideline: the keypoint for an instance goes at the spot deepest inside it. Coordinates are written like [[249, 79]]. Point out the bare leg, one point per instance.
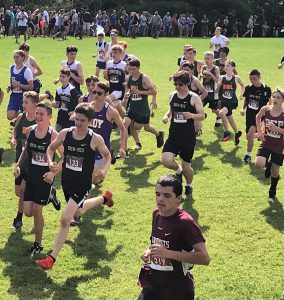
[[187, 172], [232, 123], [38, 222]]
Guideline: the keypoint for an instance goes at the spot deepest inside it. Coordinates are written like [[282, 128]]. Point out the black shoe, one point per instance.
[[188, 190], [218, 122], [13, 123], [199, 132], [113, 158], [179, 176], [36, 248], [267, 172], [1, 154], [75, 221], [53, 199], [246, 159], [226, 136], [49, 96], [138, 146], [237, 138], [272, 193], [17, 224], [160, 139]]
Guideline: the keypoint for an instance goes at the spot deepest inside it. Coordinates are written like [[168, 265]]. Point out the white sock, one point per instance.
[[248, 154], [189, 184], [179, 170]]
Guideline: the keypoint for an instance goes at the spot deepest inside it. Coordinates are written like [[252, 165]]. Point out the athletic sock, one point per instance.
[[248, 154], [274, 182], [19, 216], [189, 184], [179, 170]]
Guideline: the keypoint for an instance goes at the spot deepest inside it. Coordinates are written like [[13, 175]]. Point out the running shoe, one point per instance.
[[53, 199], [75, 221], [160, 139], [199, 132], [1, 154], [188, 190], [218, 122], [226, 136], [119, 156], [45, 263], [13, 123], [36, 248], [267, 172], [237, 138], [17, 224], [49, 95], [179, 176], [108, 198], [246, 159], [113, 158], [138, 146], [272, 193]]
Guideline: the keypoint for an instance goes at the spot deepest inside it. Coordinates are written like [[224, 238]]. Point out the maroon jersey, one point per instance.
[[273, 140], [178, 232]]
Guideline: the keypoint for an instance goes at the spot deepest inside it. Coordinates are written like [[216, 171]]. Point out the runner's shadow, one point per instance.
[[26, 280], [259, 175], [93, 245], [231, 158], [198, 163], [188, 206], [129, 171], [9, 157], [274, 214]]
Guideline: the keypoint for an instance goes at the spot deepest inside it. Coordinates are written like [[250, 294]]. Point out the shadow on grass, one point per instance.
[[93, 245], [9, 157], [274, 214], [188, 206], [259, 175], [132, 164]]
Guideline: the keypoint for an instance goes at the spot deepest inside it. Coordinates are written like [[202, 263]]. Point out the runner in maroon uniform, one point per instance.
[[176, 245], [272, 139]]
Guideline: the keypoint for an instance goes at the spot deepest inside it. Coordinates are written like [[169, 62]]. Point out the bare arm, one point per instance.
[[240, 82], [36, 66], [13, 138], [80, 77], [197, 103], [26, 87], [201, 88], [258, 119], [218, 85]]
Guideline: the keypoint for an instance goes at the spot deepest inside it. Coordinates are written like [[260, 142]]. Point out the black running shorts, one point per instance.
[[276, 158], [37, 192]]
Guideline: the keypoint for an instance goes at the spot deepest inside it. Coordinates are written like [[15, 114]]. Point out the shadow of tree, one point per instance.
[[274, 214]]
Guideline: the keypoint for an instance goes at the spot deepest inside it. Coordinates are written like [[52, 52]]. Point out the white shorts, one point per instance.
[[87, 26], [116, 95]]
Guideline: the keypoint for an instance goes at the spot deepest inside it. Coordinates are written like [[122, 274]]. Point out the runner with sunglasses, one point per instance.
[[185, 108]]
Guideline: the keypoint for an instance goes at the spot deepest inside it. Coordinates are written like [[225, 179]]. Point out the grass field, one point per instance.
[[100, 260]]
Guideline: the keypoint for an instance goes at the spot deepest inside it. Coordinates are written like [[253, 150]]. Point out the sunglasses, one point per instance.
[[98, 93], [178, 84]]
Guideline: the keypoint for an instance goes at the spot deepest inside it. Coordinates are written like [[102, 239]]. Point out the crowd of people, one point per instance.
[[82, 23], [120, 101]]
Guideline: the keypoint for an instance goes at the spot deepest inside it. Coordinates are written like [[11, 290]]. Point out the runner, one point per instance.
[[114, 41], [272, 145], [32, 64], [220, 62], [140, 86], [39, 178], [76, 68], [177, 244], [100, 45], [21, 80], [218, 41], [22, 21], [226, 87], [90, 84], [210, 75], [66, 99], [185, 108], [115, 74], [256, 95], [80, 144], [102, 124]]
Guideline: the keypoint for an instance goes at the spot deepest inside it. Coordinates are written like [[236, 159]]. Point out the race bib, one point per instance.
[[228, 94], [39, 159], [74, 163], [136, 97], [64, 106], [114, 79], [209, 89], [273, 134], [161, 264], [253, 104], [179, 118]]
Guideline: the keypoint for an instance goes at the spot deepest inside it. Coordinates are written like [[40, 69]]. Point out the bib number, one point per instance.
[[179, 118], [39, 159], [228, 94], [114, 79], [74, 163], [253, 104]]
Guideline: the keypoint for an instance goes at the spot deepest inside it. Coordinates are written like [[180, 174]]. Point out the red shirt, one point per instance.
[[178, 232]]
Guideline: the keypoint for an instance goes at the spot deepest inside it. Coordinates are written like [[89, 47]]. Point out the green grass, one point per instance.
[[100, 260]]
